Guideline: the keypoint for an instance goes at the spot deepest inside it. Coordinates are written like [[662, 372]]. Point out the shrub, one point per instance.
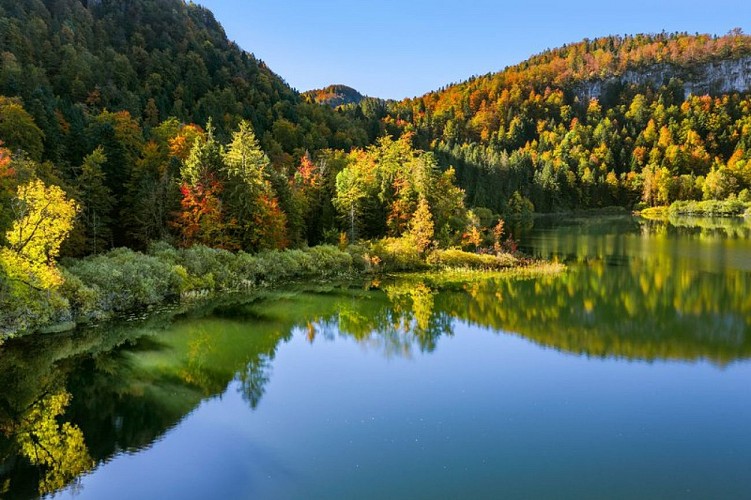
[[709, 208], [213, 266], [247, 269], [82, 298], [328, 261], [28, 310], [124, 280], [453, 258], [361, 258], [398, 254], [165, 252], [654, 212], [276, 265]]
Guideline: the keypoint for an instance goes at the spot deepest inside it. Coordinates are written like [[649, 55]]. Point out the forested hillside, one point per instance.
[[135, 124], [132, 123], [154, 59], [532, 132], [107, 98]]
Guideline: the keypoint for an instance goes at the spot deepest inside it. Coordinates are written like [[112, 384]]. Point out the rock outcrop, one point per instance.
[[713, 78]]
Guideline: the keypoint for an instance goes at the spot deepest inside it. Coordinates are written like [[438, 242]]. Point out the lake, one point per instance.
[[627, 376]]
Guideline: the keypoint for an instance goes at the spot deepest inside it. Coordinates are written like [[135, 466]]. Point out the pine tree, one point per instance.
[[96, 200]]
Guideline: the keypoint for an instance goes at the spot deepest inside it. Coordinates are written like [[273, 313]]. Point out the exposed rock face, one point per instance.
[[719, 77]]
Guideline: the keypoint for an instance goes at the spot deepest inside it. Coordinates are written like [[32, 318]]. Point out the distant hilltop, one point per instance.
[[335, 95]]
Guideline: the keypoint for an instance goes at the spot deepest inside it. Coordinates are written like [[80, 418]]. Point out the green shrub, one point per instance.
[[247, 269], [82, 298], [211, 265], [277, 266], [165, 252], [360, 258], [328, 261], [709, 208], [26, 309], [398, 254], [124, 280], [454, 258]]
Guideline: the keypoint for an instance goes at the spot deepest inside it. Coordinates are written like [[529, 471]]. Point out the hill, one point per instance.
[[68, 60], [616, 120], [108, 97], [335, 95]]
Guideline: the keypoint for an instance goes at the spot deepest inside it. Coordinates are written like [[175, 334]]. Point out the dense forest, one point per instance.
[[133, 124], [531, 132]]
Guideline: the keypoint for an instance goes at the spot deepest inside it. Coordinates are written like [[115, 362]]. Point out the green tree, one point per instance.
[[202, 217], [18, 130], [350, 193], [96, 203]]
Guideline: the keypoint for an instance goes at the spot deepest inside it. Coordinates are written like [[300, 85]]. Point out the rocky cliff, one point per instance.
[[719, 77]]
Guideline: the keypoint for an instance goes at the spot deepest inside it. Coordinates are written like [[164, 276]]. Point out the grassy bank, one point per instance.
[[121, 281], [707, 208]]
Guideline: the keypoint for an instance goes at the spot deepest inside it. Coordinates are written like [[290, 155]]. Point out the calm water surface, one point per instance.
[[628, 376]]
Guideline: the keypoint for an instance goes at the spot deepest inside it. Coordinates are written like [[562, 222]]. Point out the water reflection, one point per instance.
[[633, 290]]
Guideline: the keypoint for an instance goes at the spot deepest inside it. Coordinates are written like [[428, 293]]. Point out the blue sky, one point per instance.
[[404, 48]]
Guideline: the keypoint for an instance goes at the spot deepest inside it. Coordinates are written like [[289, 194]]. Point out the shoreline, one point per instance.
[[123, 284]]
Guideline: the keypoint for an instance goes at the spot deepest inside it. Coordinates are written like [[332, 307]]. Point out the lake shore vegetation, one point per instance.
[[385, 208], [130, 130]]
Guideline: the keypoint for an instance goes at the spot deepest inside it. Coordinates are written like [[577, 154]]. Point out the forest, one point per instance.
[[529, 133], [139, 126]]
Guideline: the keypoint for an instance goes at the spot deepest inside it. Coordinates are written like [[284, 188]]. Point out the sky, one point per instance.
[[404, 48]]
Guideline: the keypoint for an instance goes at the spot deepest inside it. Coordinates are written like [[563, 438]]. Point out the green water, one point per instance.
[[627, 376]]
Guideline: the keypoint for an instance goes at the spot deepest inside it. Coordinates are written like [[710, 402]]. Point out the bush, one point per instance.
[[124, 280], [398, 254], [82, 298], [165, 252], [25, 309], [361, 258], [454, 258], [247, 269], [277, 266], [328, 261], [709, 208], [654, 212], [212, 266]]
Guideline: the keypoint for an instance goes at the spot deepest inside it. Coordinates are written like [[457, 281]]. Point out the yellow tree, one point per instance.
[[421, 226], [58, 448], [44, 217]]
